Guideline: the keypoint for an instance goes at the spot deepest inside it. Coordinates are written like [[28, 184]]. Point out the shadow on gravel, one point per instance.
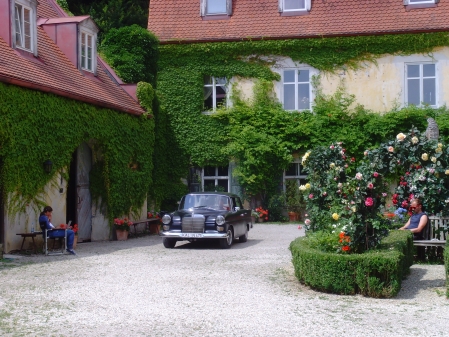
[[214, 245], [416, 282], [84, 249]]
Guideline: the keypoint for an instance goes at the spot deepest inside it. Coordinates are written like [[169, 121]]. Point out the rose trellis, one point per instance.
[[346, 197]]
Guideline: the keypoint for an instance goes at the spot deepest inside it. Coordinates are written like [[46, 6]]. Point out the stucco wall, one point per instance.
[[378, 86]]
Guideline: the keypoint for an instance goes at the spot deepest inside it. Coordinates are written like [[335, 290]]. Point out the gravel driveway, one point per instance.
[[139, 288]]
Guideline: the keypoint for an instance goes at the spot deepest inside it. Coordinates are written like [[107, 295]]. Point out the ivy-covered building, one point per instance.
[[388, 53], [72, 134]]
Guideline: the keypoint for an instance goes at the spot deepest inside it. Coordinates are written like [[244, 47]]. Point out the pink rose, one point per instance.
[[370, 186], [310, 196], [375, 174], [384, 194], [369, 202], [331, 147], [307, 222]]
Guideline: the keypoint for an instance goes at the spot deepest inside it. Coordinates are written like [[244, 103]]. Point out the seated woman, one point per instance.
[[417, 221], [44, 221]]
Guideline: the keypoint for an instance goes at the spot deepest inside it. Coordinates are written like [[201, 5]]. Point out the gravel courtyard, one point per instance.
[[139, 288]]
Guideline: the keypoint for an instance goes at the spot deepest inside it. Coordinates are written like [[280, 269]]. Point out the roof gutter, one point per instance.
[[316, 36], [66, 94]]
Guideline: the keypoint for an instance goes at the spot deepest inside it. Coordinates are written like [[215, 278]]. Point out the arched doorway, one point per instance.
[[79, 200]]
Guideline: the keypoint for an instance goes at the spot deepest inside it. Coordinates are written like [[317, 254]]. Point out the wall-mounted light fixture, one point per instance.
[[48, 165]]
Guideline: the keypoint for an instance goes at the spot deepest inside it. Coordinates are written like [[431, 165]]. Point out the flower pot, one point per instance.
[[293, 216], [121, 235], [75, 241], [261, 219]]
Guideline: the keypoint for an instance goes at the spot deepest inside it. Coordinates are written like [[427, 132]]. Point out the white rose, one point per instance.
[[415, 140], [400, 137]]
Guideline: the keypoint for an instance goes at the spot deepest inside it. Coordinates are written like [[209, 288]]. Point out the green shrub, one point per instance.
[[275, 207], [133, 53], [375, 273]]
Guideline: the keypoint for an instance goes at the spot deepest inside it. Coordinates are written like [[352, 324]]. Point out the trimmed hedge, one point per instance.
[[375, 273], [446, 266]]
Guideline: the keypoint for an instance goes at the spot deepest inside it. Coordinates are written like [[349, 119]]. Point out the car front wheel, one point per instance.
[[227, 242], [169, 243]]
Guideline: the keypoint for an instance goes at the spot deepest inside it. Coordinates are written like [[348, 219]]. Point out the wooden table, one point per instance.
[[29, 235]]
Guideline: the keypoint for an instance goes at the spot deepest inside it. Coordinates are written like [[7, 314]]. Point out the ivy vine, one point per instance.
[[36, 126]]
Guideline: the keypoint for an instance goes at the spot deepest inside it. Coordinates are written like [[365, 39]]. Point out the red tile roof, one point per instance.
[[256, 19], [53, 72]]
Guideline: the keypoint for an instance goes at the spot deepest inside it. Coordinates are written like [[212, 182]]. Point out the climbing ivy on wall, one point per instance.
[[36, 126], [204, 140]]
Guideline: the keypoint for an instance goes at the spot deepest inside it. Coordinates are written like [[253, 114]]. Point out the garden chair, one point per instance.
[[61, 235]]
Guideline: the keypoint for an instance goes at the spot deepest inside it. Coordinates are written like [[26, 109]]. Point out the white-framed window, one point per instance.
[[421, 83], [215, 93], [87, 51], [286, 6], [215, 178], [296, 89], [216, 7], [24, 26], [295, 171], [416, 2]]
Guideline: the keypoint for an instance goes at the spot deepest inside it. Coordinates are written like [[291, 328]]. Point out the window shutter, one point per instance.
[[281, 6], [202, 7], [229, 7]]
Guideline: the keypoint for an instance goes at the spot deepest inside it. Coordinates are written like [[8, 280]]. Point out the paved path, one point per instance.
[[139, 288]]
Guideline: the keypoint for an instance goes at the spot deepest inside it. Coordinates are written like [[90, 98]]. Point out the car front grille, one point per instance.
[[193, 224]]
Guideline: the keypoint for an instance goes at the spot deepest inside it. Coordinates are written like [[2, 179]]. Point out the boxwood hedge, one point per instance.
[[375, 273]]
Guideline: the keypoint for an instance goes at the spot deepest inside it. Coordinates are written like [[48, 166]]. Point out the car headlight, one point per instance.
[[166, 219], [220, 220]]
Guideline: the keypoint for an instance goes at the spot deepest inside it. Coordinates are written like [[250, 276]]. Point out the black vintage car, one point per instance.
[[207, 215]]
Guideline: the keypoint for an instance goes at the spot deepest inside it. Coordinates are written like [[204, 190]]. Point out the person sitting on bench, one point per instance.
[[417, 221], [44, 221]]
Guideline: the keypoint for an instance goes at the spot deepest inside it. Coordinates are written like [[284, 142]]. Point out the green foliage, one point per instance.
[[145, 94], [133, 53], [64, 5], [109, 14], [53, 127], [276, 206], [376, 273]]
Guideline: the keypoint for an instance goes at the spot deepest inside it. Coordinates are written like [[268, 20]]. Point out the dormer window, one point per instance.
[[294, 7], [24, 27], [216, 8], [88, 46], [87, 49]]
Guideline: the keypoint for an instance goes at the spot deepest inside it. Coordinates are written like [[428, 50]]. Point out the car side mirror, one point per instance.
[[236, 208]]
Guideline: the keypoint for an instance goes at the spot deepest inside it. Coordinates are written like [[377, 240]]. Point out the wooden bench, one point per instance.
[[151, 225], [435, 232]]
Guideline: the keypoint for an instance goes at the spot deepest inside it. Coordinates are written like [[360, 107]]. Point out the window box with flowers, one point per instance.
[[122, 228]]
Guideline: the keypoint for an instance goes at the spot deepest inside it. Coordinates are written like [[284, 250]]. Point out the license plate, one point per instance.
[[191, 235]]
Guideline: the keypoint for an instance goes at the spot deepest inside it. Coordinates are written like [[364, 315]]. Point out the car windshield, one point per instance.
[[217, 202]]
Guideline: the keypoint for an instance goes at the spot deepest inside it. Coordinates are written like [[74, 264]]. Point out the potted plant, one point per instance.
[[294, 200], [122, 228], [75, 230], [262, 214]]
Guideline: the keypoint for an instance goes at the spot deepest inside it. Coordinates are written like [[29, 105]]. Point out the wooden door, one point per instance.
[[84, 199]]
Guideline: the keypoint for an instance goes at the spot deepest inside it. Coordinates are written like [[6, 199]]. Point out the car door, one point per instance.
[[240, 223]]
